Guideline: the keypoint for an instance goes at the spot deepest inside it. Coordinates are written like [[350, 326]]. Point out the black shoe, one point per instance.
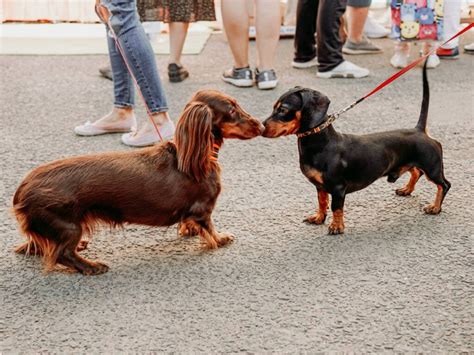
[[177, 73], [106, 72]]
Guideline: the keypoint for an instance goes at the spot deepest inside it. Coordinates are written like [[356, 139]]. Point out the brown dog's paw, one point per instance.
[[403, 191], [224, 239], [82, 245], [95, 268], [188, 229], [317, 218], [432, 209], [28, 248], [336, 228]]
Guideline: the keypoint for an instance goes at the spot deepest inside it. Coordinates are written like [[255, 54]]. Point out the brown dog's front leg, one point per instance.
[[188, 228], [211, 237], [337, 207], [320, 216]]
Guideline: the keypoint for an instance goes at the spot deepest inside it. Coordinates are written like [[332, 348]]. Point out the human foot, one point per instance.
[[147, 135], [119, 120]]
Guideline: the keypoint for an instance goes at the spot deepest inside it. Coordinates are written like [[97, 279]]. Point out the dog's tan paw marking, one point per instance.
[[95, 269], [432, 209], [224, 239], [336, 228], [82, 245], [187, 230], [317, 218], [403, 192]]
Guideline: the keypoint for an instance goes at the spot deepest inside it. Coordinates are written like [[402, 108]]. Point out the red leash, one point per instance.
[[105, 15], [398, 74]]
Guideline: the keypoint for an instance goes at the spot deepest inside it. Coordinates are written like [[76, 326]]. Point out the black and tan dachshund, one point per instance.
[[338, 164], [57, 203]]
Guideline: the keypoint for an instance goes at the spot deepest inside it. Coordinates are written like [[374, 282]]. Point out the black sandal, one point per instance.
[[177, 73]]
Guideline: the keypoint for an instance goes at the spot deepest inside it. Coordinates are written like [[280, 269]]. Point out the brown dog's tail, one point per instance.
[[421, 125], [37, 242]]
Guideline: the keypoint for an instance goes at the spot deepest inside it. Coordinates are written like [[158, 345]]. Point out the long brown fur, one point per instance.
[[59, 203]]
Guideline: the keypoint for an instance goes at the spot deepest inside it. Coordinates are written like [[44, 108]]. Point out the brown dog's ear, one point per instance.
[[193, 139]]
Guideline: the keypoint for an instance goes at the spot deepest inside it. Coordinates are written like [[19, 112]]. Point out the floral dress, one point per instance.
[[417, 19], [176, 10]]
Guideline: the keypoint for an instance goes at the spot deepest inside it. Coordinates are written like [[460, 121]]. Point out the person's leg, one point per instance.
[[305, 43], [236, 25], [235, 18], [121, 118], [268, 32], [357, 43], [331, 63], [178, 32], [141, 59], [357, 12], [452, 20]]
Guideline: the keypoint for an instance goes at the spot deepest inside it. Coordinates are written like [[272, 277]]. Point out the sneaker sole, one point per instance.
[[242, 83], [266, 85], [329, 75], [305, 65], [449, 57], [359, 51]]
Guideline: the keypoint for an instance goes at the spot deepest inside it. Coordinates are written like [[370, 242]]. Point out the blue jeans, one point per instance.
[[139, 53]]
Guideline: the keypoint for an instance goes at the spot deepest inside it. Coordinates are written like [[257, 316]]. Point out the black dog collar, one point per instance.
[[315, 130]]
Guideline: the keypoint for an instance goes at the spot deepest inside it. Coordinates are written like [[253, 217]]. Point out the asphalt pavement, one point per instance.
[[397, 280]]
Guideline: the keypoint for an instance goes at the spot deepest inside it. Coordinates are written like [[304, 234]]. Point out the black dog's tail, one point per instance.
[[421, 125]]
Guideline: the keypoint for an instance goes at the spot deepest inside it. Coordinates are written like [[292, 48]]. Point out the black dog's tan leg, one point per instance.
[[410, 186], [337, 207], [320, 216], [443, 186], [212, 238]]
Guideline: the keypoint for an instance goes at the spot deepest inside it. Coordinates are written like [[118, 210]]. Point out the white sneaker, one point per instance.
[[399, 59], [469, 48], [148, 135], [344, 70], [304, 65], [433, 61], [373, 29]]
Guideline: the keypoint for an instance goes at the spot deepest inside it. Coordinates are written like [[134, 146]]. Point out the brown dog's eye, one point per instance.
[[232, 111]]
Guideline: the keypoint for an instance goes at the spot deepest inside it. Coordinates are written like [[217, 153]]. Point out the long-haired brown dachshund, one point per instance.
[[159, 186]]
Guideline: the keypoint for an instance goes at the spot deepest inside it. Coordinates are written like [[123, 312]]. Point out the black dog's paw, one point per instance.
[[404, 191], [432, 209], [336, 228], [317, 218]]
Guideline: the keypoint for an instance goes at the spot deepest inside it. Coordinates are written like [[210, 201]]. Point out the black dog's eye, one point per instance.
[[283, 110]]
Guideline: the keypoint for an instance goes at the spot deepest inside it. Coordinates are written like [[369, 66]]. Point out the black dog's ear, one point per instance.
[[313, 109]]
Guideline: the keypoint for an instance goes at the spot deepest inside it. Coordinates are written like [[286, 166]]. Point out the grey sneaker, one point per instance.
[[363, 47], [241, 77], [266, 79]]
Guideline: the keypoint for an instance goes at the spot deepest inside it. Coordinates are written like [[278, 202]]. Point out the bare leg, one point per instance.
[[356, 17], [178, 32], [268, 32], [320, 216], [236, 24]]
